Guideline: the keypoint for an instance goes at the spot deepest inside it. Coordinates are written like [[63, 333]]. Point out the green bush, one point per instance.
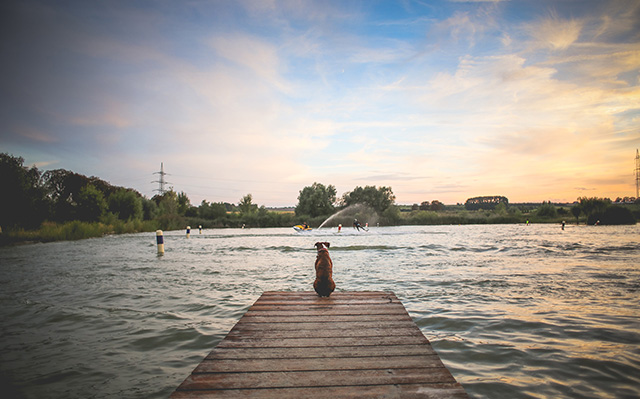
[[90, 204], [126, 204], [546, 210], [613, 215]]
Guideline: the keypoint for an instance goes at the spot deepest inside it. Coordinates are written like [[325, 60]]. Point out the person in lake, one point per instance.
[[357, 225]]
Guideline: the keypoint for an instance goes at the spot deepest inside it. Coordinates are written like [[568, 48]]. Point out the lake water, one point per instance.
[[514, 311]]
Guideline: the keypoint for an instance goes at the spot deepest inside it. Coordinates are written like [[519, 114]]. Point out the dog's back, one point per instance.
[[324, 284]]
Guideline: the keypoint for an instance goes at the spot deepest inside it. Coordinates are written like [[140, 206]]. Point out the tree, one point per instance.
[[183, 203], [546, 210], [90, 204], [616, 214], [191, 212], [391, 216], [316, 200], [576, 210], [22, 199], [500, 209], [424, 206], [437, 205], [149, 209], [246, 205], [126, 204], [167, 202], [211, 211], [377, 198], [593, 205], [62, 188]]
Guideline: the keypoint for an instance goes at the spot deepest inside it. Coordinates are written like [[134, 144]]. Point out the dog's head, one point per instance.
[[322, 246]]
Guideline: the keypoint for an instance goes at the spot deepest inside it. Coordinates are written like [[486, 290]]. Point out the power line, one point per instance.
[[279, 182]]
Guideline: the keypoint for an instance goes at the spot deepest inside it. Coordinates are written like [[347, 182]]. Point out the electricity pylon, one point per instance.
[[161, 181]]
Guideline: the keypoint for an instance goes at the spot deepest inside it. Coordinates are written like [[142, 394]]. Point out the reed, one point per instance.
[[76, 230]]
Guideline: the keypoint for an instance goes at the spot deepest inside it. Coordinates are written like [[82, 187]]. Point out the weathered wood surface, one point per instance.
[[298, 345]]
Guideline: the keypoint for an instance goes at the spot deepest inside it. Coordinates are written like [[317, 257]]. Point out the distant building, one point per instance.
[[487, 202]]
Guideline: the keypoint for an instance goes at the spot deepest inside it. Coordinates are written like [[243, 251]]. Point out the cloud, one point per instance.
[[531, 128], [459, 27], [33, 134], [555, 33], [267, 97], [476, 1], [258, 56]]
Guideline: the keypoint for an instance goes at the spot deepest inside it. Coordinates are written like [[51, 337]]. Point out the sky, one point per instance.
[[440, 100]]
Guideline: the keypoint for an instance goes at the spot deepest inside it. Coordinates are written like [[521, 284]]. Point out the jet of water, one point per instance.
[[351, 209]]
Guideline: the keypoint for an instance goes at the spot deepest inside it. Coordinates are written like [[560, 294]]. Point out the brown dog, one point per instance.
[[324, 284]]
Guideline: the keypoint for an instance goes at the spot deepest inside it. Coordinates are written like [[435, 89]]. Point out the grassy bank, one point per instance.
[[76, 230]]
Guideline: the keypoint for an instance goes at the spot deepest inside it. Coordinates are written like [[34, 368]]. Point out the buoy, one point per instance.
[[188, 231], [160, 241]]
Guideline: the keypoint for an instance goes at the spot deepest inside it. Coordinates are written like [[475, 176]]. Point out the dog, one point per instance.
[[324, 284]]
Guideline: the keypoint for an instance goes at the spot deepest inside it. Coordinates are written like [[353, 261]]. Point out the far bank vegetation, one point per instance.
[[63, 205]]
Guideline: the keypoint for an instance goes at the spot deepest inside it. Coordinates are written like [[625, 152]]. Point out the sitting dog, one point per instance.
[[324, 284]]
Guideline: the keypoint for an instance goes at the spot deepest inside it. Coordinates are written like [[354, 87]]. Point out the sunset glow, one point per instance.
[[446, 100]]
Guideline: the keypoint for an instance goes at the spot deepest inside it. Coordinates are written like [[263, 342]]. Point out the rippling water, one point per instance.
[[514, 311]]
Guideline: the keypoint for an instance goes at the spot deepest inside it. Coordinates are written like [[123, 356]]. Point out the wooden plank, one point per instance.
[[297, 345], [302, 307], [335, 298], [257, 342], [324, 319], [317, 364], [345, 326], [406, 391], [297, 379], [336, 352], [366, 311], [325, 302], [326, 333], [335, 295]]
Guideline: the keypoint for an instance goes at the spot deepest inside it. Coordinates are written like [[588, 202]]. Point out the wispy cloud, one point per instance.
[[555, 33], [470, 98], [259, 57]]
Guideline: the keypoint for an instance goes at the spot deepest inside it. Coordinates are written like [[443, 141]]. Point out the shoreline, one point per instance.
[[42, 235]]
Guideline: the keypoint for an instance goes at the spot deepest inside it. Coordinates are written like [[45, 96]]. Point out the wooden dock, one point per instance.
[[298, 345]]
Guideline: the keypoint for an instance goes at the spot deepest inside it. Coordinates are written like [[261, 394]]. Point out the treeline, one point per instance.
[[318, 201], [602, 211], [60, 204], [31, 197], [497, 209]]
